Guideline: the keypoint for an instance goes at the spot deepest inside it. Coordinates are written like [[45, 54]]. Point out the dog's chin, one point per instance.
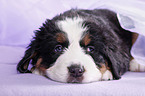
[[73, 80]]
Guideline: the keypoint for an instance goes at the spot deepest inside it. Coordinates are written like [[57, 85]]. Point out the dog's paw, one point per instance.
[[135, 67], [36, 71], [107, 76]]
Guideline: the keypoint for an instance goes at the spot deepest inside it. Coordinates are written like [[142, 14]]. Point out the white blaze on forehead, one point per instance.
[[73, 27]]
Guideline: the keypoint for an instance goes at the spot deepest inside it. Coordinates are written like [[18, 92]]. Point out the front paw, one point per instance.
[[136, 67], [107, 75]]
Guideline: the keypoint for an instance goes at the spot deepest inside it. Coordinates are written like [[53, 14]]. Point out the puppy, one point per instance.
[[80, 46]]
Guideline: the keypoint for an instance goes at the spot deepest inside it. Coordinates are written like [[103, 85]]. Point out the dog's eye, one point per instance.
[[90, 49], [58, 48]]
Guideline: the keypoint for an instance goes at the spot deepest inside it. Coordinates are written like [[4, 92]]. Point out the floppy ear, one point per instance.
[[113, 65], [22, 66], [32, 53], [118, 61], [117, 50]]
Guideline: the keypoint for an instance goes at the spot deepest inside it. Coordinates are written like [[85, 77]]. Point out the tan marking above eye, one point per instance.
[[60, 37], [86, 40]]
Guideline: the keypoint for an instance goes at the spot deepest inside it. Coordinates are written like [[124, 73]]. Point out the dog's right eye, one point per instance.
[[90, 49], [58, 48]]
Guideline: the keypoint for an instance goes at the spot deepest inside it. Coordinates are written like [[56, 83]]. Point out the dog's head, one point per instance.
[[78, 46]]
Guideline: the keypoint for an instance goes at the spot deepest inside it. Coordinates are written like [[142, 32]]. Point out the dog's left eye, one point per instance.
[[58, 48], [90, 49]]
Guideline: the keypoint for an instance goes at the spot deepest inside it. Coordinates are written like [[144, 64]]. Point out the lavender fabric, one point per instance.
[[18, 20], [13, 84]]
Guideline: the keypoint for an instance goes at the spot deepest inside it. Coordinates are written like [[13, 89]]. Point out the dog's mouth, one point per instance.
[[75, 79]]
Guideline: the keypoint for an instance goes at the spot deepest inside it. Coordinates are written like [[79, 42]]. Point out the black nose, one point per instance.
[[76, 70]]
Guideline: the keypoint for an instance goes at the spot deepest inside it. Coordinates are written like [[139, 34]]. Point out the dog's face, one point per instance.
[[75, 50], [74, 53]]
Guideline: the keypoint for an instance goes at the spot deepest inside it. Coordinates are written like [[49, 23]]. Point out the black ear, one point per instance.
[[113, 64], [22, 66], [118, 61], [117, 46], [32, 53]]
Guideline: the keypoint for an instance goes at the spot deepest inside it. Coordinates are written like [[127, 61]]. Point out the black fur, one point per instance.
[[42, 45], [112, 43]]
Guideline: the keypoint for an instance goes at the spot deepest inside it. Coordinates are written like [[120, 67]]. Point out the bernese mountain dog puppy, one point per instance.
[[79, 46]]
